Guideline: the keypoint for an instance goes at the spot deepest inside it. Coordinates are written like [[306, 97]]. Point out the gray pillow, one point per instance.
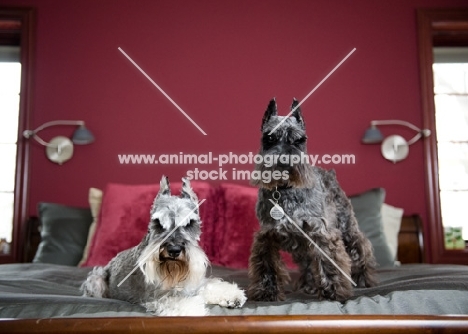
[[64, 233], [367, 208]]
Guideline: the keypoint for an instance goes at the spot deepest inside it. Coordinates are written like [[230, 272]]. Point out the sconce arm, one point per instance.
[[33, 133], [421, 132], [396, 122]]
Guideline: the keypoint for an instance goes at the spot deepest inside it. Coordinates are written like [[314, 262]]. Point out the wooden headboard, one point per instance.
[[410, 240]]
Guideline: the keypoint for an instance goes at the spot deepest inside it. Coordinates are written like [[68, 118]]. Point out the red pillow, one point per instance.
[[124, 218], [237, 225]]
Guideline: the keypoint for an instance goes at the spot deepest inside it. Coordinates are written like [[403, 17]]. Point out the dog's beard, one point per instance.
[[299, 176], [172, 272], [186, 271]]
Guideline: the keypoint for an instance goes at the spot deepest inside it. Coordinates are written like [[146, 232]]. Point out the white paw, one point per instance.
[[178, 307], [223, 294]]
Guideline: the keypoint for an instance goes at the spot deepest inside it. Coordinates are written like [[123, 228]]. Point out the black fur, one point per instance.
[[312, 197]]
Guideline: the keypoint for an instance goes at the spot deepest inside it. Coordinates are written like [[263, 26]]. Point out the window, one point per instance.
[[451, 105], [16, 68], [10, 84], [443, 98]]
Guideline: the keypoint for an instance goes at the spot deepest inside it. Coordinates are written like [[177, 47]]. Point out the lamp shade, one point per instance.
[[372, 135], [82, 136]]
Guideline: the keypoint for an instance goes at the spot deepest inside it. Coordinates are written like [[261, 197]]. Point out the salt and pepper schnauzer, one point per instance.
[[312, 197], [171, 278]]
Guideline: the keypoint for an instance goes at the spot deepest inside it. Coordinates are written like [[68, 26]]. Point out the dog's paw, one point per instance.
[[235, 299], [177, 307], [95, 284], [223, 294], [265, 295], [265, 291], [310, 290]]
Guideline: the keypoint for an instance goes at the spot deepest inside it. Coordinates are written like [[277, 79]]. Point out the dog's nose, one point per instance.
[[283, 160], [174, 250]]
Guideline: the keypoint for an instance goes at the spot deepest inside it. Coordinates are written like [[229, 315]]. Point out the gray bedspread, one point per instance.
[[45, 291]]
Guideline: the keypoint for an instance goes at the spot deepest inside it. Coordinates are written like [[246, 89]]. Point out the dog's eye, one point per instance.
[[300, 141], [192, 222], [156, 223], [270, 139]]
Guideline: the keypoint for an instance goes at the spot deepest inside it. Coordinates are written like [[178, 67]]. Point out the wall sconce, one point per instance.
[[394, 148], [60, 149]]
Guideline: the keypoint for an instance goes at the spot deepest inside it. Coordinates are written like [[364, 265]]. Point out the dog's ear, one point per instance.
[[271, 111], [164, 189], [187, 191], [297, 112]]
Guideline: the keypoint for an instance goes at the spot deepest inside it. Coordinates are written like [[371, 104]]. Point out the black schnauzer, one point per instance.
[[312, 197]]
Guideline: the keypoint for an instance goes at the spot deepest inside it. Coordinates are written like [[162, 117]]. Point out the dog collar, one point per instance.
[[276, 211], [282, 188]]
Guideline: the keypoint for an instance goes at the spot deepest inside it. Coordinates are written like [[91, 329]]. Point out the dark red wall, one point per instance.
[[222, 61]]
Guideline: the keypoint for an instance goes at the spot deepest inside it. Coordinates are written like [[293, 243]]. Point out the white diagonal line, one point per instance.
[[162, 91], [160, 243], [313, 90], [313, 243]]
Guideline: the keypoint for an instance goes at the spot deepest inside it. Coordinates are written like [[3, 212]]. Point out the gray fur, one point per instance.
[[171, 275], [313, 198]]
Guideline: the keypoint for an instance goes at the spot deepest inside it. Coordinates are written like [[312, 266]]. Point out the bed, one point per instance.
[[44, 297]]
